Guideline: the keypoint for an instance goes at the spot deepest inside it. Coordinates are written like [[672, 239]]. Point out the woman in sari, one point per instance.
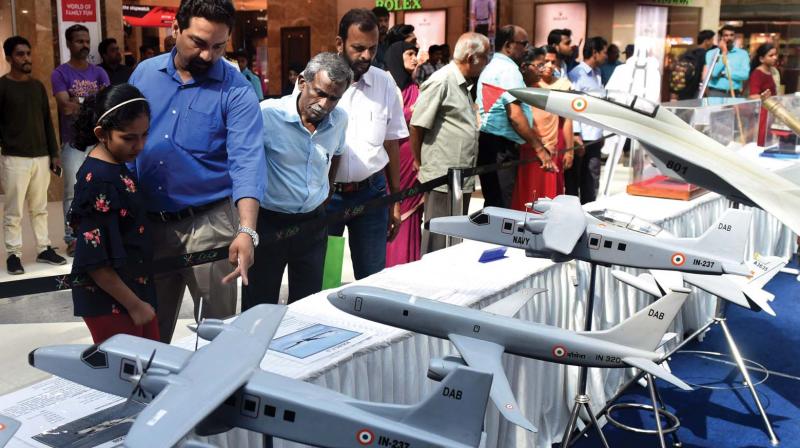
[[401, 61], [533, 182]]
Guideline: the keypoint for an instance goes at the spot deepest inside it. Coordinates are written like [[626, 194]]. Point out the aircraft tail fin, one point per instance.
[[456, 408], [727, 239], [645, 329]]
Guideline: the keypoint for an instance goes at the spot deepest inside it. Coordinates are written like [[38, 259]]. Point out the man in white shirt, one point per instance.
[[371, 157]]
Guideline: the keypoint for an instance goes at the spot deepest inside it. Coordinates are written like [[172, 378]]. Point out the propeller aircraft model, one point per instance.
[[482, 336], [679, 150], [220, 386], [562, 231]]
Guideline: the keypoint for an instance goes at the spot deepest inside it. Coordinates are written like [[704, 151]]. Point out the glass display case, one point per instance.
[[780, 139], [733, 122]]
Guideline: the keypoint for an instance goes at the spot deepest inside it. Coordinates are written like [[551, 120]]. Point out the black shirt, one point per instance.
[[108, 218], [119, 75], [26, 128], [698, 58]]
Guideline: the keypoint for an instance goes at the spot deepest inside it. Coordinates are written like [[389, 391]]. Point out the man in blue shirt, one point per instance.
[[732, 60], [583, 179], [203, 156], [304, 136], [505, 123]]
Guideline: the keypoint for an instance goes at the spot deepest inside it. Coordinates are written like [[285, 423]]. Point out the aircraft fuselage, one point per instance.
[[522, 338]]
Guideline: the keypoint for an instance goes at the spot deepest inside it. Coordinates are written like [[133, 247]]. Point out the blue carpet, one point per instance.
[[728, 418]]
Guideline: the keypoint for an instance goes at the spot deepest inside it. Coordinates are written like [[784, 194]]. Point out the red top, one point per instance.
[[760, 82]]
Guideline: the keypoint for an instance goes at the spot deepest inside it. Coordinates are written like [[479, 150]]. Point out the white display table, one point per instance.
[[389, 365]]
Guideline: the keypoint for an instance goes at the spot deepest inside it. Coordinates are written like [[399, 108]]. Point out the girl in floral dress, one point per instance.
[[108, 218]]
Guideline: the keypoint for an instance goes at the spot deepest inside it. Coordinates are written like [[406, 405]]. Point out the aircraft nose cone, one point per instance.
[[535, 97]]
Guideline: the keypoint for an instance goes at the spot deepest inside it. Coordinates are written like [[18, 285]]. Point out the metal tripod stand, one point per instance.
[[719, 318], [582, 399]]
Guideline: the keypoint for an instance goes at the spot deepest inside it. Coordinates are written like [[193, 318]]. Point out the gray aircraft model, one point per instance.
[[744, 291], [482, 336], [679, 150], [562, 231], [221, 386]]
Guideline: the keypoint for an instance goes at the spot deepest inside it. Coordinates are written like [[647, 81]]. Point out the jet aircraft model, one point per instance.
[[220, 386], [679, 150], [562, 231], [482, 336], [746, 292]]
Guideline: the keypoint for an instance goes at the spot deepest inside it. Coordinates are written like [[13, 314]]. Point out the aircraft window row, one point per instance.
[[594, 243], [479, 218], [250, 405]]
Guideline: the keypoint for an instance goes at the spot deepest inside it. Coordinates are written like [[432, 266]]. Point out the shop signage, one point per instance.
[[152, 16], [78, 11], [674, 2], [399, 5]]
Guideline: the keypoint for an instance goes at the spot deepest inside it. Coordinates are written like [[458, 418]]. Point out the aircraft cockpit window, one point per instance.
[[95, 358], [642, 226], [479, 218], [621, 98], [626, 221], [644, 106]]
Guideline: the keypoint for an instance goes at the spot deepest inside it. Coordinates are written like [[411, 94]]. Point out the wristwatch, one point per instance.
[[251, 232]]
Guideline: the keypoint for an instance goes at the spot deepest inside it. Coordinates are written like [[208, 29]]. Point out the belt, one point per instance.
[[350, 187], [185, 213]]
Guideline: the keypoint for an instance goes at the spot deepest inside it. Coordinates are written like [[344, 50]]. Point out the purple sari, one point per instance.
[[406, 247]]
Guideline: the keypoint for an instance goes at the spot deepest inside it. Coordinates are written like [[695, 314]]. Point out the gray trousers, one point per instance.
[[437, 205], [207, 230]]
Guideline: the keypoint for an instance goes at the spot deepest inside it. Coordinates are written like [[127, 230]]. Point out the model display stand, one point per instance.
[[730, 121]]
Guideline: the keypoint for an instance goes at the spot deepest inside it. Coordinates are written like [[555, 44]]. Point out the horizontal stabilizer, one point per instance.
[[656, 370], [510, 305], [644, 282], [487, 356]]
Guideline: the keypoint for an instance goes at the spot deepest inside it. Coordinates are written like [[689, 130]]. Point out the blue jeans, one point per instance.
[[367, 232], [71, 161]]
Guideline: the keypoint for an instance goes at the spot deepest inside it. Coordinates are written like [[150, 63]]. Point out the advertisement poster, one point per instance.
[[550, 16], [151, 16], [430, 27], [84, 12]]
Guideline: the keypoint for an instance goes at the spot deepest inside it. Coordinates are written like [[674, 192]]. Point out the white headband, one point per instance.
[[117, 107]]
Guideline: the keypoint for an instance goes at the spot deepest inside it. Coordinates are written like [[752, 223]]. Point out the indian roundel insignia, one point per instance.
[[579, 104], [678, 259], [365, 437], [559, 351]]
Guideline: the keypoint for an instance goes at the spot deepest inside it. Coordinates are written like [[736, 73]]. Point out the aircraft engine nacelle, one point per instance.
[[535, 226], [439, 368], [155, 380], [210, 328]]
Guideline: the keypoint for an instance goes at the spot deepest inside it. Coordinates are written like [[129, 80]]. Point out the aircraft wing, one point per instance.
[[486, 356], [210, 376], [8, 427], [510, 305], [566, 223]]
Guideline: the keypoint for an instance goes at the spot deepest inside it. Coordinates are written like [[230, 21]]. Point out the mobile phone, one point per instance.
[[56, 170]]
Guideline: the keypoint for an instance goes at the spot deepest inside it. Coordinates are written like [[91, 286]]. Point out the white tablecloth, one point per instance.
[[390, 365]]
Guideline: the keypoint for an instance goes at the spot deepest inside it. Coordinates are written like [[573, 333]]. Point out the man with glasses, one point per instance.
[[203, 162], [505, 122]]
